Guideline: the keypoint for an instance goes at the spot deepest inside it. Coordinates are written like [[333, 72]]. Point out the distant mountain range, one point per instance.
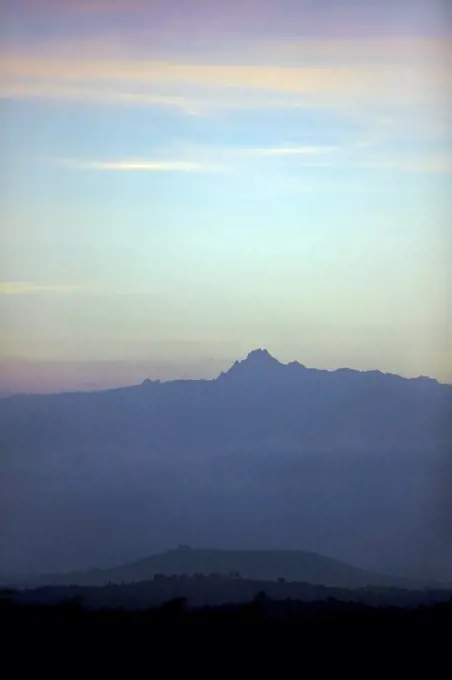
[[274, 405], [259, 565], [346, 463]]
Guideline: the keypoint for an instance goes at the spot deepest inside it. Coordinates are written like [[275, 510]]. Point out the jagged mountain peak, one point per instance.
[[262, 356], [257, 362]]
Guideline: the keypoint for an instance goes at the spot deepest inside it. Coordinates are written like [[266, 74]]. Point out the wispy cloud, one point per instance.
[[34, 288], [281, 151], [29, 288], [135, 165], [394, 89], [18, 288], [294, 79], [398, 81], [10, 89], [206, 159]]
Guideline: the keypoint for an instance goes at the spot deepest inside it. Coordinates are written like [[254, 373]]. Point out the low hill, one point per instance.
[[258, 565]]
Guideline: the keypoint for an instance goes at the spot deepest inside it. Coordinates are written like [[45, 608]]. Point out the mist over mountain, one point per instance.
[[354, 465]]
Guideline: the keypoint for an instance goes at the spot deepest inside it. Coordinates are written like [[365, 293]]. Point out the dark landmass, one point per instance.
[[71, 615], [215, 590]]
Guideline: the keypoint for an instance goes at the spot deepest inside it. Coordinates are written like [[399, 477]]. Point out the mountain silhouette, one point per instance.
[[353, 464], [257, 565], [259, 364]]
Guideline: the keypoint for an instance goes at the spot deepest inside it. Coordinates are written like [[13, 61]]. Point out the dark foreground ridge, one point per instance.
[[261, 611], [332, 629], [216, 590]]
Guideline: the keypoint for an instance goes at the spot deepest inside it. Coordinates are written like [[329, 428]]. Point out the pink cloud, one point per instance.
[[401, 83]]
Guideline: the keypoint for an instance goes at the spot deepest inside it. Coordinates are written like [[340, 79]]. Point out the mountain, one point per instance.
[[258, 399], [346, 463], [258, 365], [259, 565]]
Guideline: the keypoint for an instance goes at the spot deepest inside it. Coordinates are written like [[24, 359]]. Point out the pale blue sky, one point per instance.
[[173, 204]]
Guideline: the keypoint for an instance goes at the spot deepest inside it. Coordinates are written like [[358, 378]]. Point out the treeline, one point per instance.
[[214, 590], [262, 611]]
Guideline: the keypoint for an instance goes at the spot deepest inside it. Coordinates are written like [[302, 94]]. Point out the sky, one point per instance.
[[182, 181]]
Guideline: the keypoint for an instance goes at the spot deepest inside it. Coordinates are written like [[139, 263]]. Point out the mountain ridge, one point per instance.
[[256, 360]]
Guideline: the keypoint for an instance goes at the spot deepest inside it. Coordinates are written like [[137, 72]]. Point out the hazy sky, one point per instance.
[[182, 181]]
